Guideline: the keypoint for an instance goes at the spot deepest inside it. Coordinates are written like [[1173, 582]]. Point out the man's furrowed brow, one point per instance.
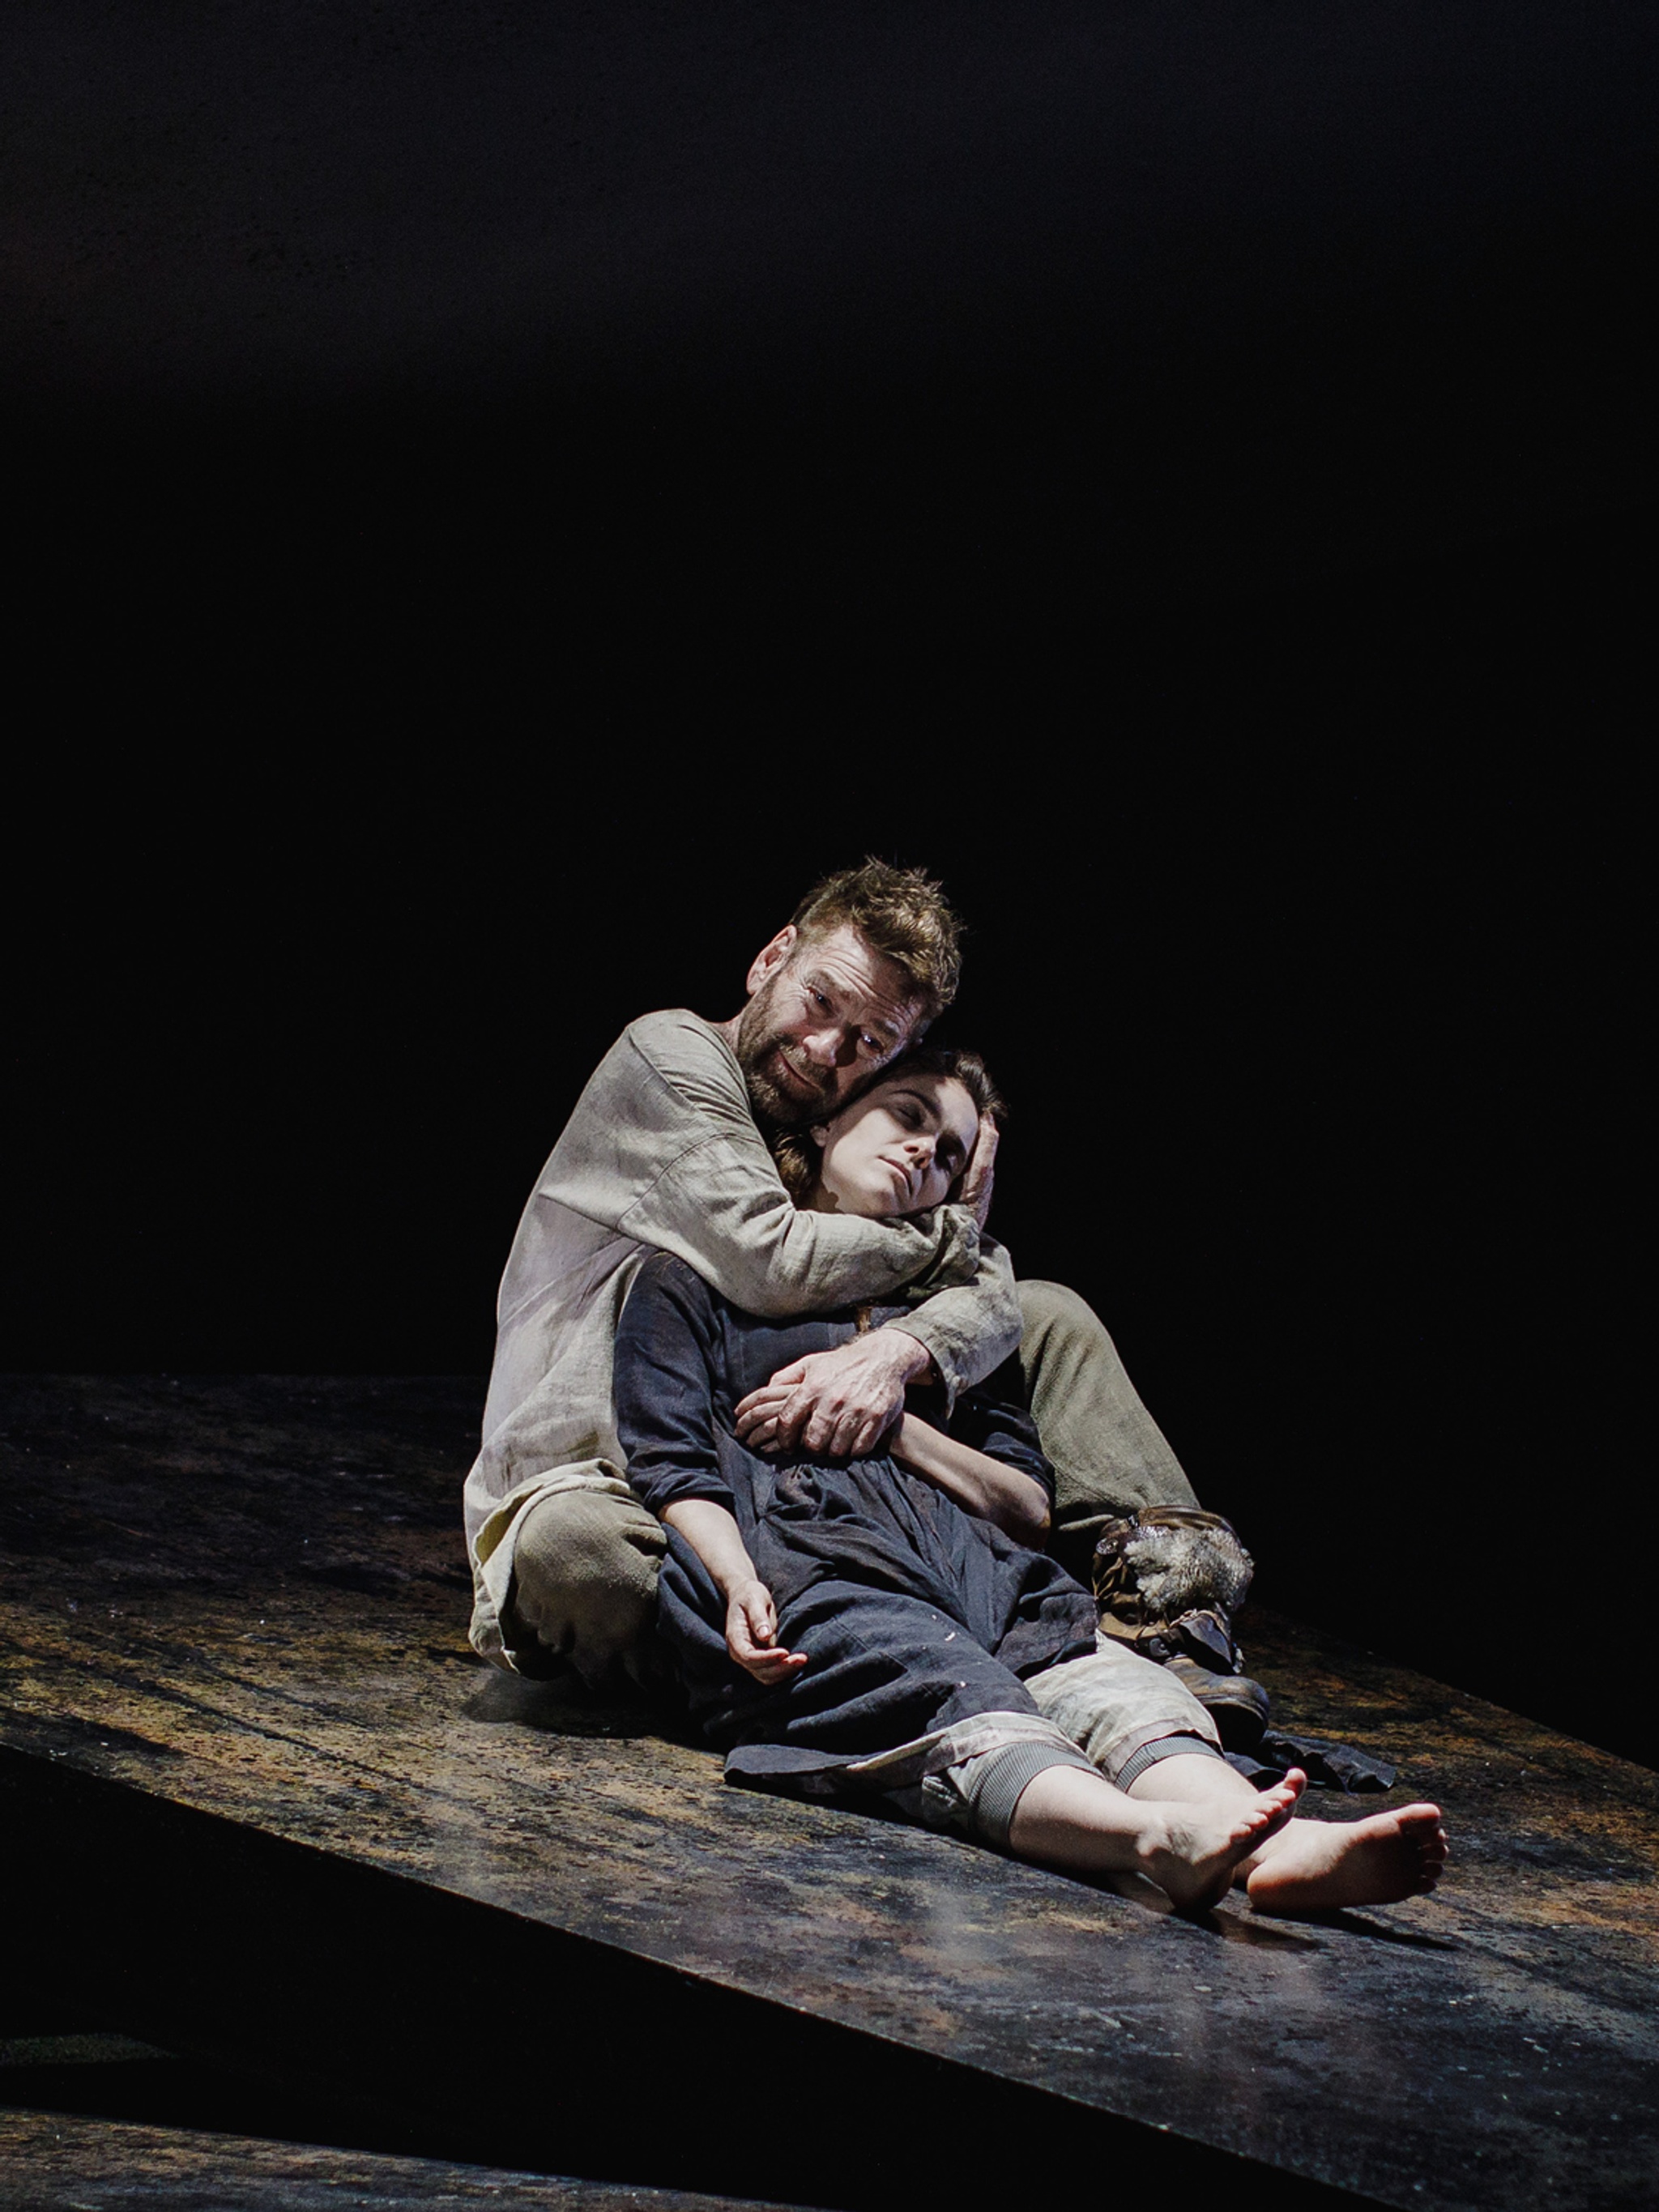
[[887, 1025], [840, 995], [815, 980]]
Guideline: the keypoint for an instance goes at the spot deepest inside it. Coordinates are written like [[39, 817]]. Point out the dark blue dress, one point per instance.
[[913, 1613]]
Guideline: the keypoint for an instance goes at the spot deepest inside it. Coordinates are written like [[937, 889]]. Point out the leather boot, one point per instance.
[[1168, 1580]]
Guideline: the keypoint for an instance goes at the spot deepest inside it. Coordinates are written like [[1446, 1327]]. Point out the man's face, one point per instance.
[[825, 1014]]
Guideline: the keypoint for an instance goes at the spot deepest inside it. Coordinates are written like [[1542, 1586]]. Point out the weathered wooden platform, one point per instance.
[[266, 1806], [52, 2163]]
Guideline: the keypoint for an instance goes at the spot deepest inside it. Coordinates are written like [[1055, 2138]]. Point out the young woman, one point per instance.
[[891, 1624]]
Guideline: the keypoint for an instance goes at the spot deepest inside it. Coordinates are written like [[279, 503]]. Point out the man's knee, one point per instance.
[[1109, 1456], [585, 1583], [1052, 1316], [1066, 1354]]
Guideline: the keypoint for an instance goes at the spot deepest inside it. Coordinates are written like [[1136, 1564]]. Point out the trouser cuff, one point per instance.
[[1165, 1746], [992, 1783]]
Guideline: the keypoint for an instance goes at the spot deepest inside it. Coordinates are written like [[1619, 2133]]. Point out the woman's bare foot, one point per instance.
[[1316, 1865], [1193, 1851]]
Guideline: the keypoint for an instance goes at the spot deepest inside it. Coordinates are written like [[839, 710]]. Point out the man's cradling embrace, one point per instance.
[[1098, 1747]]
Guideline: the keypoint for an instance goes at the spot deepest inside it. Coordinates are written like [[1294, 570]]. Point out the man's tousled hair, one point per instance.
[[900, 913]]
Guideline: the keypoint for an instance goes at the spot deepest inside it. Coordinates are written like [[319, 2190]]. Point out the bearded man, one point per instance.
[[665, 1150]]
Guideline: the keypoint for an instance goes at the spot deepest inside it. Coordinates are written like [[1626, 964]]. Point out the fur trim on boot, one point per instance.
[[1169, 1580]]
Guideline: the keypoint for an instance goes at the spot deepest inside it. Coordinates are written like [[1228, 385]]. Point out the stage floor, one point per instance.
[[52, 2163], [270, 1805]]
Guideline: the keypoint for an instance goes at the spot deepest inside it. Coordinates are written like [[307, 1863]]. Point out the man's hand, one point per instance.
[[980, 1172], [835, 1405], [751, 1633]]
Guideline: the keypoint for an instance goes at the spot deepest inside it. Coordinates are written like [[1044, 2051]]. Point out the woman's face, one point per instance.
[[898, 1149]]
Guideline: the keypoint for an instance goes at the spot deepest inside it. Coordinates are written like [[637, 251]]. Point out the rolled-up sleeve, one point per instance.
[[969, 1331]]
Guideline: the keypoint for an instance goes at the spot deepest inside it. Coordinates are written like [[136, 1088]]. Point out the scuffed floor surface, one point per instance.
[[249, 1597], [52, 2163]]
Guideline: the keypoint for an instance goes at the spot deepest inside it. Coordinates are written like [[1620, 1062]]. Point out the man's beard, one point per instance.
[[757, 1044]]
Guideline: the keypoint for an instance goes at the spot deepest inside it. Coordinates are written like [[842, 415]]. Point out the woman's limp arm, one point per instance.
[[1017, 1503], [751, 1619]]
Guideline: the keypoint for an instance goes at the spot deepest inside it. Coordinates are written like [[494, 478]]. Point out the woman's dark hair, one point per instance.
[[797, 1156]]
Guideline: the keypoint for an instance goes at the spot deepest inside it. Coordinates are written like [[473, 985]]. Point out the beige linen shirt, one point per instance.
[[662, 1151]]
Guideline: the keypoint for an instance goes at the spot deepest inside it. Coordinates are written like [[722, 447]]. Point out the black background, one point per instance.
[[505, 498]]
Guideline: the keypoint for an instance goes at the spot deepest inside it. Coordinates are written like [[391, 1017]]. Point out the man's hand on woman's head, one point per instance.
[[834, 1405], [751, 1633], [979, 1173]]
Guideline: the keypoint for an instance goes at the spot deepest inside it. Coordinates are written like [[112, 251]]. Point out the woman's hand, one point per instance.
[[751, 1633], [751, 1619]]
